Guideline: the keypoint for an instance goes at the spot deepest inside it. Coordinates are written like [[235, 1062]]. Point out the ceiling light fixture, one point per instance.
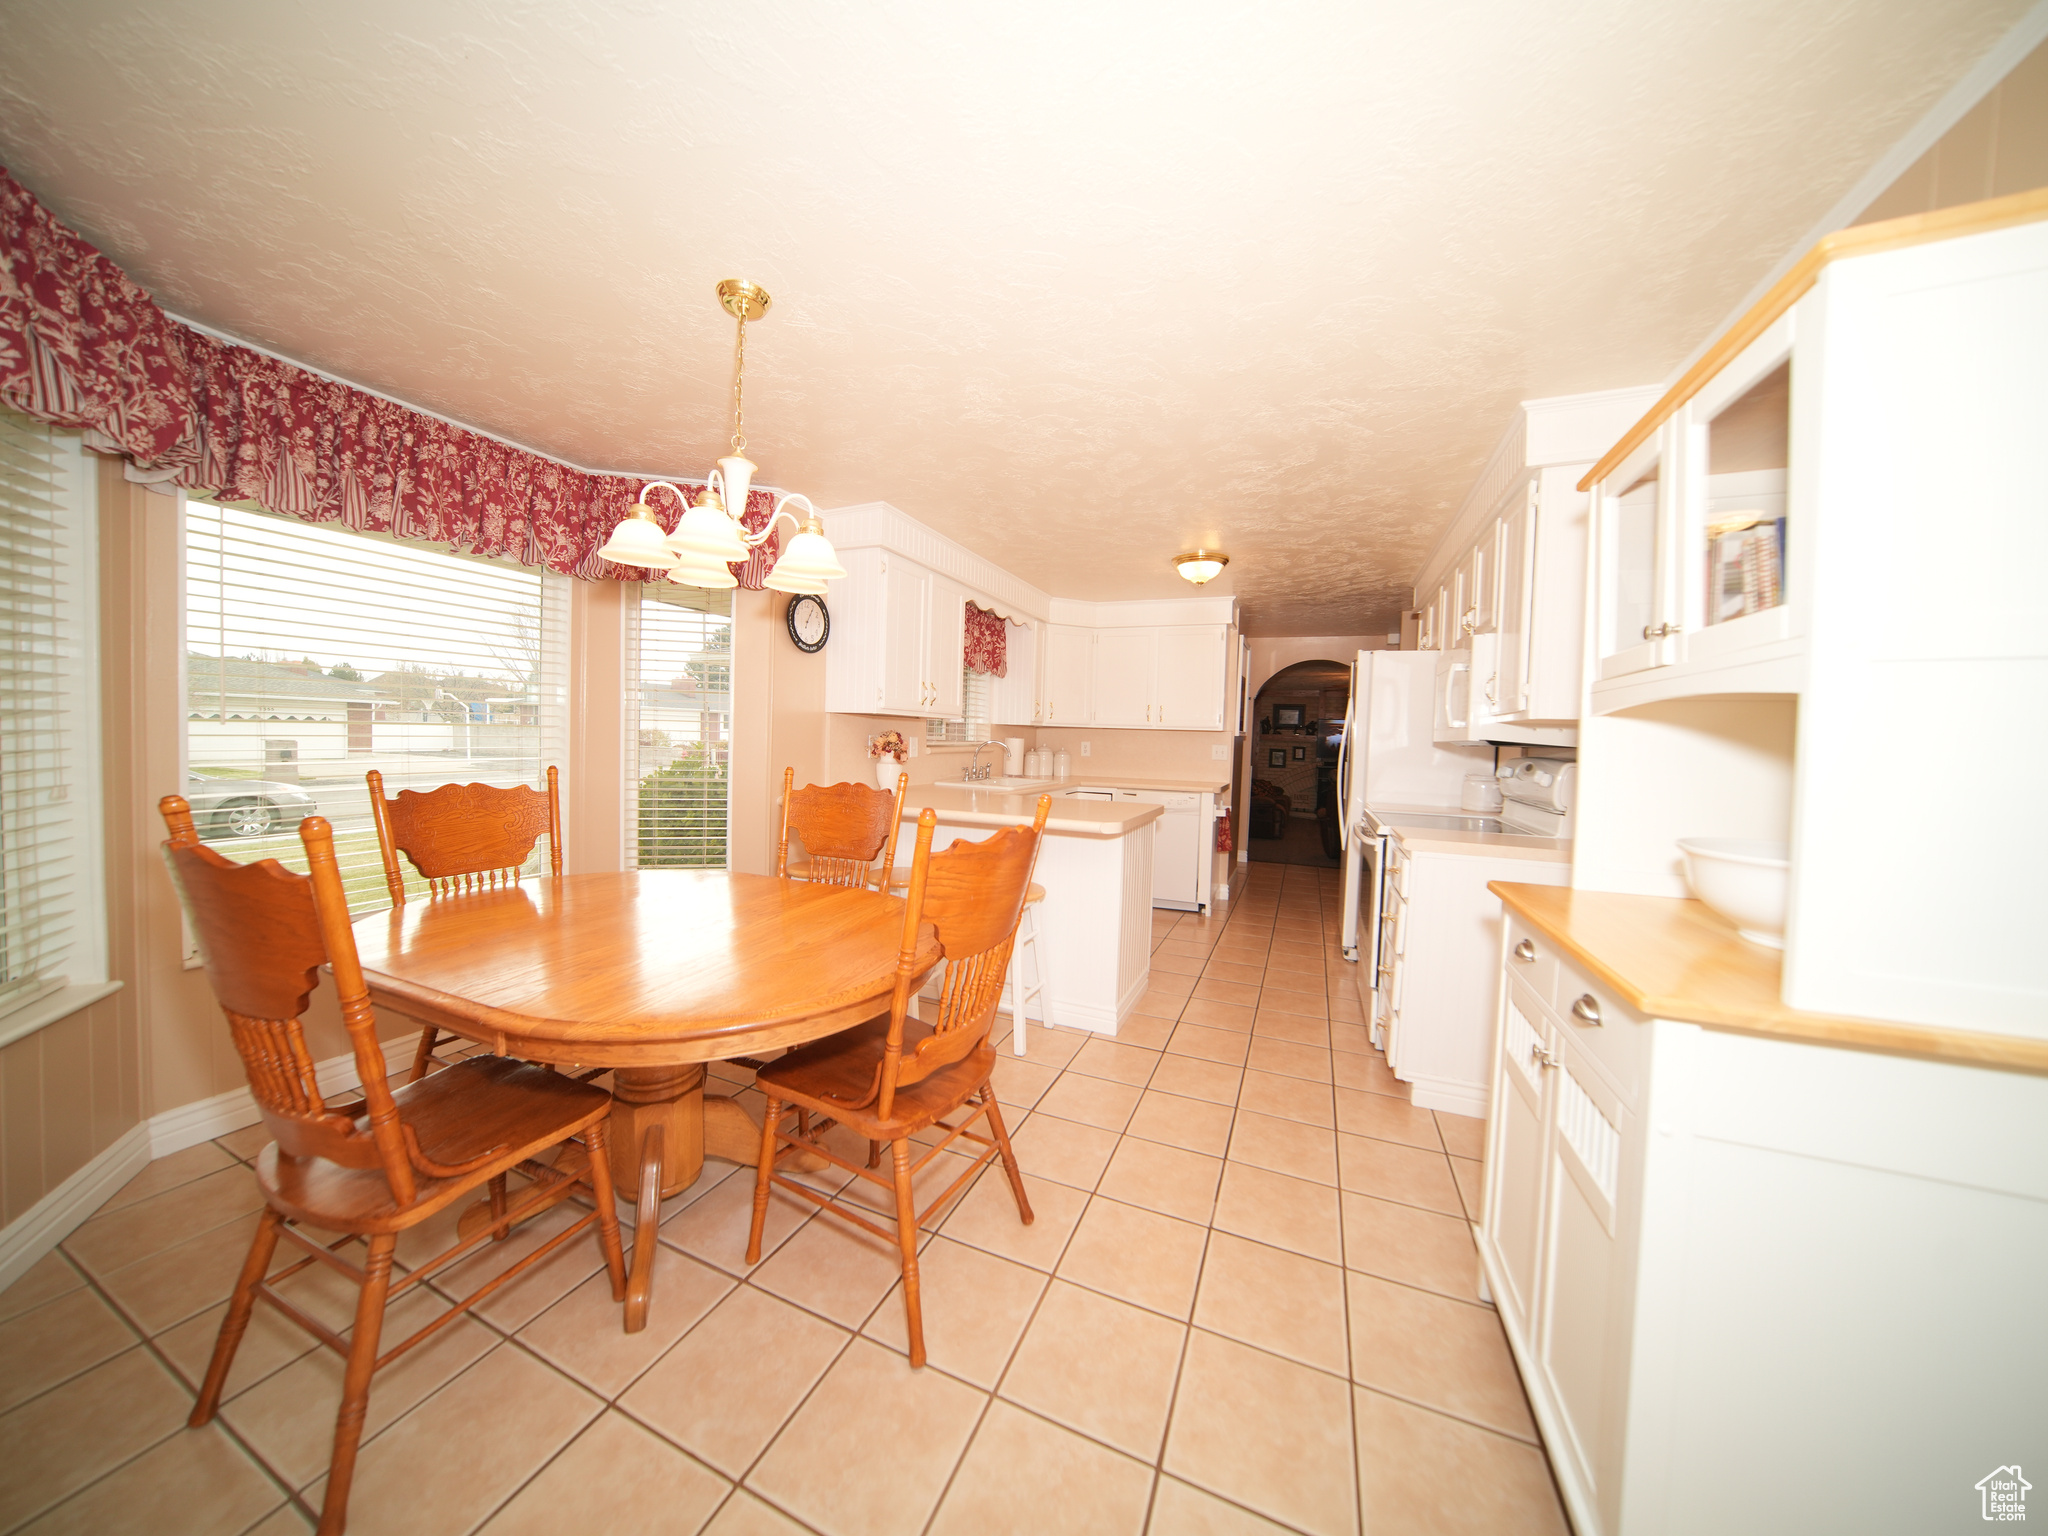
[[1201, 565], [710, 537]]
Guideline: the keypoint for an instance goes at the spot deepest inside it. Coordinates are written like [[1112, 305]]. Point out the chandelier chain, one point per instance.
[[739, 379]]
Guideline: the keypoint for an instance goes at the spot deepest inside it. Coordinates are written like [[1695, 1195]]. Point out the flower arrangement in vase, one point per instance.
[[888, 750]]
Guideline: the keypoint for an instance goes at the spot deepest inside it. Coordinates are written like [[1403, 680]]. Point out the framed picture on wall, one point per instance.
[[1286, 717], [1276, 757], [1300, 754]]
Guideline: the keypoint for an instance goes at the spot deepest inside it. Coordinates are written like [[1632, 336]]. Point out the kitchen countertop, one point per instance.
[[1055, 787], [1493, 845], [1003, 808], [1499, 845], [1672, 958]]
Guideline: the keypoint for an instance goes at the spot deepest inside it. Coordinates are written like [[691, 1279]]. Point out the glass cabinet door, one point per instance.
[[1634, 512]]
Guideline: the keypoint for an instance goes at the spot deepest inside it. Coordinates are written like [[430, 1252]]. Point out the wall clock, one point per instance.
[[810, 626]]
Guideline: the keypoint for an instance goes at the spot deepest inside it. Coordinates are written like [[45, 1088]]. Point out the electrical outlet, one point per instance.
[[1084, 749], [1220, 753], [914, 744]]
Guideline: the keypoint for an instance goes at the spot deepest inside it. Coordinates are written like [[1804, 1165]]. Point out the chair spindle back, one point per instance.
[[264, 933], [972, 896], [845, 828], [465, 837]]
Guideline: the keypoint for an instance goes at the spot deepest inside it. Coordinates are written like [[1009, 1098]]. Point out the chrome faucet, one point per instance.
[[974, 769]]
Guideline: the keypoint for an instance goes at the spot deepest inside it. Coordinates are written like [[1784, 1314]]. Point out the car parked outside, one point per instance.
[[245, 807]]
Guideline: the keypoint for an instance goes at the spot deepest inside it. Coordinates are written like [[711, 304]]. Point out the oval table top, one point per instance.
[[650, 967]]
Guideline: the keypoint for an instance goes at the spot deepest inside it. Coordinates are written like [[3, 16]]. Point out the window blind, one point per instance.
[[678, 726], [51, 924], [974, 711], [314, 654]]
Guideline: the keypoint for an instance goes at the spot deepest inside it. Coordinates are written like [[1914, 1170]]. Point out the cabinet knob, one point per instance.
[[1525, 950], [1587, 1009], [1539, 1057], [1659, 631]]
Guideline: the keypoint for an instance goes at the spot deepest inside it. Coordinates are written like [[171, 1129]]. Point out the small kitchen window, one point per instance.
[[972, 726]]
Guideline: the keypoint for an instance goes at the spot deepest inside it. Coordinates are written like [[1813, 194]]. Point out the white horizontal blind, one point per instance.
[[678, 726], [51, 925], [315, 653], [974, 711]]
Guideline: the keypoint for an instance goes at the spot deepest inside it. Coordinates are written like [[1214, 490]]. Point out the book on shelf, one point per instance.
[[1745, 565]]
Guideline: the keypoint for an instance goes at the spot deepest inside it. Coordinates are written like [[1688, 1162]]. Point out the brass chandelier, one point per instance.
[[710, 538]]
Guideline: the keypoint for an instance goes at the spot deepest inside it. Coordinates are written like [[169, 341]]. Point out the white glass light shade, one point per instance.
[[736, 473], [702, 571], [708, 531], [810, 557], [779, 581], [1203, 565], [638, 541]]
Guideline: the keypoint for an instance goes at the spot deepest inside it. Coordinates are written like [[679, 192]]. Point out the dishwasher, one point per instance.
[[1177, 854]]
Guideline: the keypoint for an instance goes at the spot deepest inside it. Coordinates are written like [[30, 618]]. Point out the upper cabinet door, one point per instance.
[[946, 648], [1192, 673], [1514, 544], [1477, 573], [1124, 661], [1634, 506], [1013, 697], [1066, 697], [906, 592]]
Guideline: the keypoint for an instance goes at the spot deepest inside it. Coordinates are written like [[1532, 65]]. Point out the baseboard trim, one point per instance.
[[203, 1119], [64, 1209], [60, 1212], [1448, 1095]]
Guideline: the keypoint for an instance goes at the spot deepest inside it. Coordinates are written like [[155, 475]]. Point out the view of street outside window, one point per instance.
[[314, 654]]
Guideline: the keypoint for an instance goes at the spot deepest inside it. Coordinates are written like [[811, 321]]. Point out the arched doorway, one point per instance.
[[1297, 720]]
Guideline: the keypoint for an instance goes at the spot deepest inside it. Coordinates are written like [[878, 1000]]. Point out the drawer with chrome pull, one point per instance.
[[1532, 959], [1605, 1027]]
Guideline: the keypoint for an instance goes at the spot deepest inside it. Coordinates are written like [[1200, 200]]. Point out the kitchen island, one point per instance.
[[1095, 924]]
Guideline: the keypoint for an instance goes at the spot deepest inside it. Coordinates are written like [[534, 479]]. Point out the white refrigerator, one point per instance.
[[1389, 757]]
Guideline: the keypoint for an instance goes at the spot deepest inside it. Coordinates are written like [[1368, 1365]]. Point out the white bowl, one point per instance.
[[1744, 879]]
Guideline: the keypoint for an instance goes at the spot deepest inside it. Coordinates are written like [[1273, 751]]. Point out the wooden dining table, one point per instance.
[[651, 974]]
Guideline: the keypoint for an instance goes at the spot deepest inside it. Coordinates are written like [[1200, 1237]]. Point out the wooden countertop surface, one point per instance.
[[1674, 959]]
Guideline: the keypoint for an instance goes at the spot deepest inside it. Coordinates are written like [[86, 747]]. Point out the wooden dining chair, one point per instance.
[[848, 831], [896, 1075], [462, 837], [371, 1170]]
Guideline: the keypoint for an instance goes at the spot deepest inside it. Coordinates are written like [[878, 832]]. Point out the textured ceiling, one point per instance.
[[1077, 284]]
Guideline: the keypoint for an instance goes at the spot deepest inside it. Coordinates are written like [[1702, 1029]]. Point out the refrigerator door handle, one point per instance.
[[1343, 764]]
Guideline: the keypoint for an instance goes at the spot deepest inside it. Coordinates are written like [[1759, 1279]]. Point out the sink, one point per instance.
[[999, 786]]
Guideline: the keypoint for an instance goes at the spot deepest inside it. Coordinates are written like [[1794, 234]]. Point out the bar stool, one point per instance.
[[1019, 995]]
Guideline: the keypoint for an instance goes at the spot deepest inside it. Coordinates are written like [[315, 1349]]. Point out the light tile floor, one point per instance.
[[1247, 1304]]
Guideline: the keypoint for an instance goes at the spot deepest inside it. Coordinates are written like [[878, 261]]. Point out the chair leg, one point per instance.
[[762, 1173], [1013, 994], [254, 1267], [502, 1229], [1002, 1135], [607, 1208], [874, 1154], [355, 1385], [425, 1054], [906, 1239]]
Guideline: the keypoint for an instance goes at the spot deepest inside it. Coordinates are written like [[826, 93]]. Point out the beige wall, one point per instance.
[[1999, 146], [67, 1093]]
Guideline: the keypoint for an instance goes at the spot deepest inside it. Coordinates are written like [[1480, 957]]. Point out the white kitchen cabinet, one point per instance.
[[1478, 590], [1440, 936], [1125, 664], [1515, 548], [1702, 1241], [898, 639], [1013, 697], [1067, 696], [1191, 670], [945, 647]]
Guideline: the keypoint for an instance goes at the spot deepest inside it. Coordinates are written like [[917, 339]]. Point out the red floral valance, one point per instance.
[[81, 345], [987, 646]]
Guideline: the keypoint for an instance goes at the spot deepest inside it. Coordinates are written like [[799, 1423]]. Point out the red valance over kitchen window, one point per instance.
[[81, 345], [987, 648]]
